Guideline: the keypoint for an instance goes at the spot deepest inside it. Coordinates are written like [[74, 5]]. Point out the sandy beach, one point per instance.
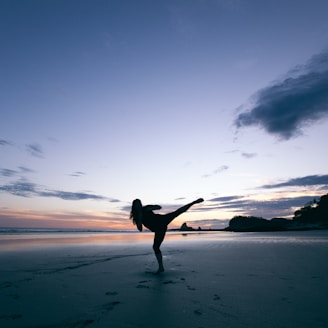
[[211, 280]]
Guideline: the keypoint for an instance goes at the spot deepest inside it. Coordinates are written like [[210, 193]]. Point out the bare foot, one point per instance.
[[159, 271], [199, 200]]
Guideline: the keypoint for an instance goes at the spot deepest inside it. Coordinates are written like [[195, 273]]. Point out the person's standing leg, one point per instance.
[[161, 231], [158, 239]]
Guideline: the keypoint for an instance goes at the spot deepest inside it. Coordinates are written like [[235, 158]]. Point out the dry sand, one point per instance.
[[211, 280]]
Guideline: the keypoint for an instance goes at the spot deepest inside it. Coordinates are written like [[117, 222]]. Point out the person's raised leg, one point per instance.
[[179, 211], [186, 207]]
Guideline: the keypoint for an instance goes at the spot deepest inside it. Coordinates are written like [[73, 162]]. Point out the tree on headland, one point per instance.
[[185, 227], [313, 215], [253, 223], [305, 213]]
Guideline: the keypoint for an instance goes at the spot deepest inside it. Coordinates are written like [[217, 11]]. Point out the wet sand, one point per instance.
[[211, 280]]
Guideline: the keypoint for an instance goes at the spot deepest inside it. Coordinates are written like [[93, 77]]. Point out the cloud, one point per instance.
[[225, 198], [7, 172], [20, 188], [126, 208], [5, 143], [24, 188], [310, 180], [114, 200], [24, 169], [12, 173], [248, 155], [262, 208], [77, 174], [66, 195], [286, 106], [243, 154], [35, 150], [218, 170]]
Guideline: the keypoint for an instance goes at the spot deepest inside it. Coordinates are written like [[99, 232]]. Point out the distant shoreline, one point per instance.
[[227, 229], [253, 230]]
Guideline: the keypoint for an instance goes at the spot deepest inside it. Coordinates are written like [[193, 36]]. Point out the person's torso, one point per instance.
[[151, 220]]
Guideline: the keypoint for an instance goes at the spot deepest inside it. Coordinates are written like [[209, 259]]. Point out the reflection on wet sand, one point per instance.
[[29, 241], [25, 241], [37, 240]]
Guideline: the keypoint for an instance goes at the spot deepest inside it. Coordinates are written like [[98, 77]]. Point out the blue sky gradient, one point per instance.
[[167, 101]]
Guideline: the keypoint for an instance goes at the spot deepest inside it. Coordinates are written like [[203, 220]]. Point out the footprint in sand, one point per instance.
[[143, 282], [110, 306], [169, 282], [111, 293], [198, 312], [13, 296], [216, 297], [285, 299], [142, 286], [82, 324], [6, 284], [11, 316]]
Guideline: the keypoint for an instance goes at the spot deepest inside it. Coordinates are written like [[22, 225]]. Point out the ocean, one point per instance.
[[27, 239]]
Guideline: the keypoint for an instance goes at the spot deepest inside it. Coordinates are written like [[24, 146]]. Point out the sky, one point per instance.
[[103, 102]]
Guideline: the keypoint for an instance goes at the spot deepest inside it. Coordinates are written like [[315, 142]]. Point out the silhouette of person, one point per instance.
[[157, 223]]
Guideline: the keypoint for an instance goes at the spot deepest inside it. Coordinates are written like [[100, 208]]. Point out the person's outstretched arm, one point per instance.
[[152, 207]]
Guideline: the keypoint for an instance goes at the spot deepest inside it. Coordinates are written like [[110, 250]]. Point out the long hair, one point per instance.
[[135, 210]]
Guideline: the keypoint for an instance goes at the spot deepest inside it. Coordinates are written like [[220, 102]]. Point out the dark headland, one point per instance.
[[313, 216]]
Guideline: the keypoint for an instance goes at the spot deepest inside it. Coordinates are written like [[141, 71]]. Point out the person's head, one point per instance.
[[135, 210]]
